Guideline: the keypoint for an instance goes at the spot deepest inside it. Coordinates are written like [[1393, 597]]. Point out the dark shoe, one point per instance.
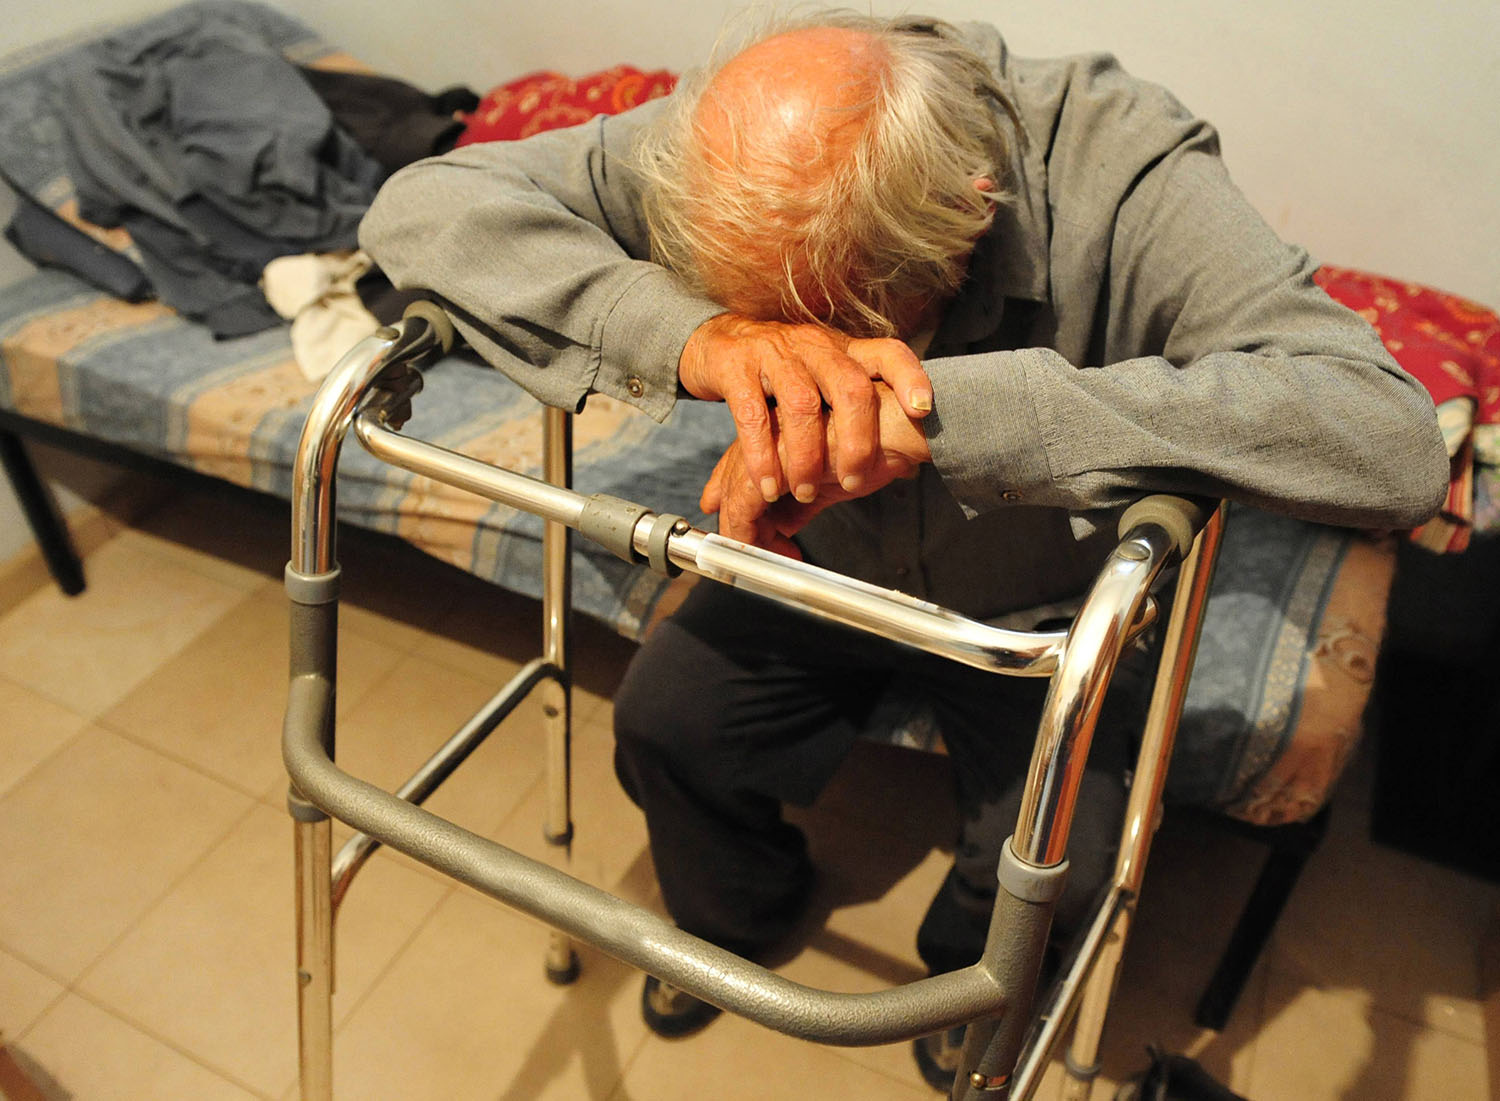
[[1174, 1078], [937, 1057], [673, 1013]]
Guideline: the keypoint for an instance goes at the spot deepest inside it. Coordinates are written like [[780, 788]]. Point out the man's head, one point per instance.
[[836, 170]]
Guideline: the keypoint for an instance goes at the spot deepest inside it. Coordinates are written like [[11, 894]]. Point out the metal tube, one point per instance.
[[442, 764], [1057, 1011], [556, 609], [463, 472], [1179, 649], [625, 931], [854, 603], [1179, 646], [561, 963], [1077, 692], [314, 959], [333, 407], [797, 584]]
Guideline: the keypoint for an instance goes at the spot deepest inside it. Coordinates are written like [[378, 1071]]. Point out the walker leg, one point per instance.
[[557, 694], [1143, 809], [314, 856], [1082, 1060]]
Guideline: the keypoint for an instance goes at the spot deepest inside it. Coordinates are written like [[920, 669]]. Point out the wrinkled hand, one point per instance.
[[777, 379], [746, 515]]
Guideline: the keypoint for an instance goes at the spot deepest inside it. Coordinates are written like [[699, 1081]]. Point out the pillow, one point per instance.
[[548, 101]]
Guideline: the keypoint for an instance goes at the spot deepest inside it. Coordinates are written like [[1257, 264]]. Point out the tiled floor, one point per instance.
[[145, 875]]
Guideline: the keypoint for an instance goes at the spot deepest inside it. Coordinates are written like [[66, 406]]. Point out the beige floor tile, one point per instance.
[[465, 1014], [484, 631], [203, 554], [244, 542], [1199, 876], [92, 837], [91, 1054], [489, 633], [734, 1060], [1411, 942], [24, 994], [210, 966], [391, 593], [1159, 986], [1335, 1043], [397, 725], [219, 704], [609, 832], [868, 943], [33, 729], [88, 651]]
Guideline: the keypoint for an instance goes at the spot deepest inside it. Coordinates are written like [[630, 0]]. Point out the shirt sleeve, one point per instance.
[[539, 251], [1221, 370]]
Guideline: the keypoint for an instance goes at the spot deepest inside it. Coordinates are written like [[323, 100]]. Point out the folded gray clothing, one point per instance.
[[209, 147]]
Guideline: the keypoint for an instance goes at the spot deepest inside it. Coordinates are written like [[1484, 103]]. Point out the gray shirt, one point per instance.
[[1129, 323]]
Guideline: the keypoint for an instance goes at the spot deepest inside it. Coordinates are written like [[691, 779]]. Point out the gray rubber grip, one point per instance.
[[1181, 517], [610, 522], [435, 316]]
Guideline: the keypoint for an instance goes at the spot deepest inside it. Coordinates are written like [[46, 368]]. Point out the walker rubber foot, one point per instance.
[[565, 975]]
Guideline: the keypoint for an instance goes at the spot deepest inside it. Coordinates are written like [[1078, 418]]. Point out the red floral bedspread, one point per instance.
[[1452, 347], [548, 100]]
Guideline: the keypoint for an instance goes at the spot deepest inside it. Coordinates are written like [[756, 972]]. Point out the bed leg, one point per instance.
[[47, 524]]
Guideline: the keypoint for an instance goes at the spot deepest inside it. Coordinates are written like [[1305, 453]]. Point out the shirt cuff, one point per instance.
[[983, 431], [640, 340]]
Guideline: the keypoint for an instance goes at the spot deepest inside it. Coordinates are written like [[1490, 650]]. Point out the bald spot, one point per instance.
[[782, 114], [806, 90]]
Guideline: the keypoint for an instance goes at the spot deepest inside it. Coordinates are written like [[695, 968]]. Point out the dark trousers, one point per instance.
[[735, 706]]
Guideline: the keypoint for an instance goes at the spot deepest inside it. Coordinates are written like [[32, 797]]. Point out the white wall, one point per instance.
[[1365, 130]]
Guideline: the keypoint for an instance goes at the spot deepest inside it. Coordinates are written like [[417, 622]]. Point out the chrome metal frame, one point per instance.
[[1006, 1050]]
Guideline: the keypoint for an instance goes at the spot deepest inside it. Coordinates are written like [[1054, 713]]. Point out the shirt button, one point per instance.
[[903, 572], [634, 386], [1011, 495]]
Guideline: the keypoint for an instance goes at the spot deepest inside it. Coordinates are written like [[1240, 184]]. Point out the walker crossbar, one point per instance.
[[368, 390]]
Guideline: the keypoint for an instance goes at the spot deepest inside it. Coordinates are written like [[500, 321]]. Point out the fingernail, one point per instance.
[[851, 482], [921, 400], [768, 489], [806, 492]]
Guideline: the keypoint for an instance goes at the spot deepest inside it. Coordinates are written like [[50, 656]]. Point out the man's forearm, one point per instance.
[[537, 249], [1323, 438]]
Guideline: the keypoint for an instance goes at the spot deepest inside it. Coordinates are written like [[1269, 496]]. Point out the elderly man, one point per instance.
[[961, 305]]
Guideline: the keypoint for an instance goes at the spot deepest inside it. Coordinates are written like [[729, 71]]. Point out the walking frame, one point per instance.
[[1007, 1047]]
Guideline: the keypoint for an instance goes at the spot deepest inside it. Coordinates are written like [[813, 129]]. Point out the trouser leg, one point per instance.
[[731, 708]]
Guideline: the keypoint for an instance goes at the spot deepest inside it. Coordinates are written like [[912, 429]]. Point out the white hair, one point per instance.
[[861, 242]]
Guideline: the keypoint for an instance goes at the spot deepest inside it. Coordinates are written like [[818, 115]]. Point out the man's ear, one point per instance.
[[984, 183]]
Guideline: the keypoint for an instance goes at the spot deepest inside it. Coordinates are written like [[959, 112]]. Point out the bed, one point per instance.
[[1294, 623]]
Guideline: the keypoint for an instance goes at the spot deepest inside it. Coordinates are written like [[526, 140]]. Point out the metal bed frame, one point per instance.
[[1007, 1047]]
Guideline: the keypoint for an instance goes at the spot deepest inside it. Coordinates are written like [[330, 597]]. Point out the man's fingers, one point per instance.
[[899, 367], [752, 424], [798, 423], [853, 411], [728, 465]]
